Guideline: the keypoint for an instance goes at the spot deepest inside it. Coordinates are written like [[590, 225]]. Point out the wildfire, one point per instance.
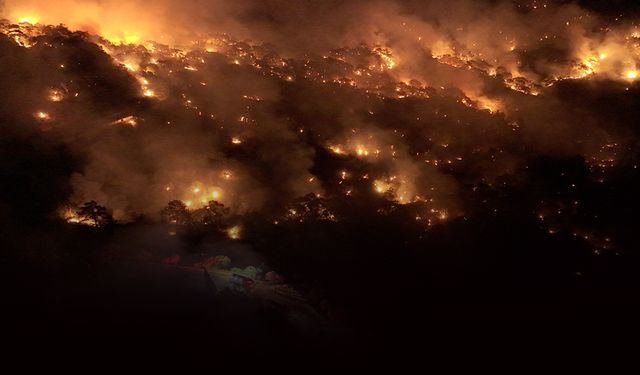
[[31, 20], [337, 150], [385, 56], [441, 214], [489, 104], [234, 233], [122, 38], [130, 67], [42, 116], [227, 175], [72, 216], [56, 96], [363, 71], [381, 186], [201, 193], [631, 75], [441, 49], [362, 151], [128, 121], [69, 215]]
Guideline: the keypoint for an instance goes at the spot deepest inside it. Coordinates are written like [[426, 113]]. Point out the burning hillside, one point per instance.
[[244, 121], [235, 122]]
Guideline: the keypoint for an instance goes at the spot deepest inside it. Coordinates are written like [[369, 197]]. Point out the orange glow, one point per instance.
[[119, 22], [29, 19], [56, 96], [129, 121], [381, 187], [234, 233], [336, 150], [42, 116], [362, 151], [227, 175]]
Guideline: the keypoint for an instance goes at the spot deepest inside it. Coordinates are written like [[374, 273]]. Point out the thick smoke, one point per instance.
[[435, 98]]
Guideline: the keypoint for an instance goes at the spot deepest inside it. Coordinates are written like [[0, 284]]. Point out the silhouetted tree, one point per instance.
[[94, 214], [213, 214], [176, 212]]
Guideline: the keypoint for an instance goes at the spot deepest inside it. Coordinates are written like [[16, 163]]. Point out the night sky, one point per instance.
[[309, 179]]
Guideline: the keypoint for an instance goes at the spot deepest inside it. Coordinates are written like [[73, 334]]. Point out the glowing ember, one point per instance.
[[443, 215], [362, 151], [70, 215], [56, 96], [381, 186], [128, 121], [42, 116], [336, 150], [235, 232]]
